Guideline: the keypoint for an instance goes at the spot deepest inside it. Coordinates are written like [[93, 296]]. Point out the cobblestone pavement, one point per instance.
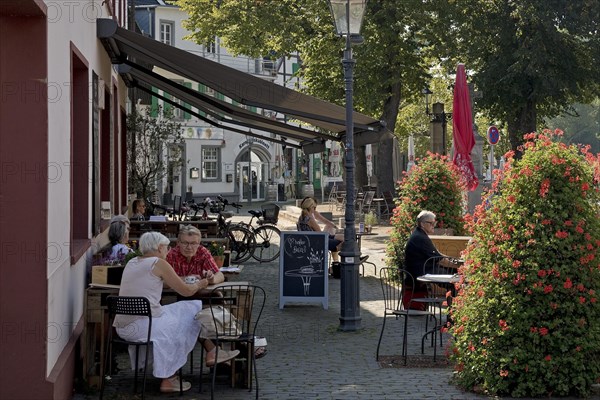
[[308, 358]]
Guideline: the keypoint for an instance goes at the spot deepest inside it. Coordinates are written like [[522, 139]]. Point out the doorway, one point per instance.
[[252, 172]]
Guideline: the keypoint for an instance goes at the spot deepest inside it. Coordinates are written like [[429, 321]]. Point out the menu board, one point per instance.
[[303, 276]]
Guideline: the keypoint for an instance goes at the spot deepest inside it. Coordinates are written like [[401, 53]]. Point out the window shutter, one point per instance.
[[187, 115], [154, 108], [167, 108]]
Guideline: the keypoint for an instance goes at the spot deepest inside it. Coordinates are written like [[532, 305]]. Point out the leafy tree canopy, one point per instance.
[[531, 58]]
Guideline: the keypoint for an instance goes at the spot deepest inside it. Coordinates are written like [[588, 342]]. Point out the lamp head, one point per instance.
[[348, 15], [427, 93]]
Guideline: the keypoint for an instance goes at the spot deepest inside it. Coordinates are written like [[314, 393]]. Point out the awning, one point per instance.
[[140, 54]]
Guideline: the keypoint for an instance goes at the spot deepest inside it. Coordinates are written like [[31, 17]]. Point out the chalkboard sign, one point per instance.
[[303, 267]]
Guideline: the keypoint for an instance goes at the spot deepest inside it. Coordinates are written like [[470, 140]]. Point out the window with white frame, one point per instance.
[[210, 162], [166, 32]]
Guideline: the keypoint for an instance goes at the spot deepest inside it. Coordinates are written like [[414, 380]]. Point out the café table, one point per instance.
[[443, 280], [359, 236]]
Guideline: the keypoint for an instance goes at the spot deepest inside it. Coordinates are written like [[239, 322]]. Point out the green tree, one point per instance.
[[154, 145], [530, 58], [390, 63], [581, 124]]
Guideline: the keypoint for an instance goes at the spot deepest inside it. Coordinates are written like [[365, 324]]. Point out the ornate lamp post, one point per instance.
[[348, 16], [438, 116]]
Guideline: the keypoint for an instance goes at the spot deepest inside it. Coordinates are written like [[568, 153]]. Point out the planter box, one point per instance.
[[107, 274], [450, 245]]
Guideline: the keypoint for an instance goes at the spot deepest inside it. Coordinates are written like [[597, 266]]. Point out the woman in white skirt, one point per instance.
[[174, 328]]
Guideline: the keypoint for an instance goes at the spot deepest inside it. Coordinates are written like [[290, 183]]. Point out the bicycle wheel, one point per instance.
[[267, 243], [241, 243]]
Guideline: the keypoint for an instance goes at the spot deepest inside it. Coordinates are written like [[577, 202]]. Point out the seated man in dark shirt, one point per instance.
[[419, 249]]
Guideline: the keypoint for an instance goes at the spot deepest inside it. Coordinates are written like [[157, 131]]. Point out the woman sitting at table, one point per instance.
[[118, 234], [308, 222], [175, 329], [138, 210]]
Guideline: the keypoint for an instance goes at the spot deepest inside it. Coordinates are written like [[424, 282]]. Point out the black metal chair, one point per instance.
[[364, 260], [236, 315], [434, 301], [393, 282], [133, 306]]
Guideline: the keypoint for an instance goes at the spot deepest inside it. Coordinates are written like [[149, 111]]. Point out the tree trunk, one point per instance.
[[523, 121], [385, 178]]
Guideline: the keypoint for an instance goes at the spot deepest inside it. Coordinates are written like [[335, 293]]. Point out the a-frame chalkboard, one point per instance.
[[303, 267]]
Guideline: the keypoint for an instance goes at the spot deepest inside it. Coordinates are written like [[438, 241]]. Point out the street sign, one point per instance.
[[493, 135]]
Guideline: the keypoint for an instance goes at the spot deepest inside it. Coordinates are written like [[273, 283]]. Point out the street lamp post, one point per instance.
[[348, 15], [438, 116]]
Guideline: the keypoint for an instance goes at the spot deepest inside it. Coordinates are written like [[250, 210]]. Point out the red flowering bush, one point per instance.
[[527, 323], [433, 184]]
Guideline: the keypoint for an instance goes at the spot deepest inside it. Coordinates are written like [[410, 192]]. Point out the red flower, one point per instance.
[[561, 234], [503, 372], [568, 284], [503, 325], [543, 331], [548, 357], [548, 289], [544, 187]]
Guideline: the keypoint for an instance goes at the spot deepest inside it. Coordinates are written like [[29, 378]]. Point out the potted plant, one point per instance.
[[218, 252], [370, 220]]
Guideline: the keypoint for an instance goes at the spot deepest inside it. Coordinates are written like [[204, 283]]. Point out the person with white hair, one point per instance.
[[175, 329], [419, 249]]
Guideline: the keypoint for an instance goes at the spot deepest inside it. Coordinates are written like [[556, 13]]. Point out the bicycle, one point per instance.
[[242, 241], [266, 236]]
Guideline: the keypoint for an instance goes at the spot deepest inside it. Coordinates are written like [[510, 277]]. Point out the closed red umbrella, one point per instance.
[[462, 123]]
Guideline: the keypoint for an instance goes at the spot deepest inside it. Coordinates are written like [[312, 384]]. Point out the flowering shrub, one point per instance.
[[433, 184], [527, 323]]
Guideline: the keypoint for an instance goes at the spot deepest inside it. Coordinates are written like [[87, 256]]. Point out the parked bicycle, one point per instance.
[[242, 241], [266, 233]]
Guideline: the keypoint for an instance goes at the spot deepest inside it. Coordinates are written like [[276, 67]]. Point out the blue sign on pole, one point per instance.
[[493, 135]]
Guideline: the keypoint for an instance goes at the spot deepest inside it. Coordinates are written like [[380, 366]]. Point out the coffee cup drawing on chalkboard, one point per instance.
[[306, 272]]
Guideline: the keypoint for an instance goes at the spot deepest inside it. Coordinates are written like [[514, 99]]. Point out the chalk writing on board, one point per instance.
[[297, 246]]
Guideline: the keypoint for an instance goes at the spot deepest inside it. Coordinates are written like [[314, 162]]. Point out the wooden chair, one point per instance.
[[393, 282]]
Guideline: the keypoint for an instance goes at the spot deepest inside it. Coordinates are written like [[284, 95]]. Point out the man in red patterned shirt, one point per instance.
[[190, 258]]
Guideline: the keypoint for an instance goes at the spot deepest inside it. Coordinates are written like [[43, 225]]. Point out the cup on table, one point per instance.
[[190, 279]]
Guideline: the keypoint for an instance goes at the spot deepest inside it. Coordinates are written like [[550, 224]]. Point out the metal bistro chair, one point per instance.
[[236, 315], [435, 302], [125, 305], [392, 283]]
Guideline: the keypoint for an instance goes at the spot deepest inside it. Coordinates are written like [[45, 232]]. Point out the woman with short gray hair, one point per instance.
[[118, 234], [174, 328]]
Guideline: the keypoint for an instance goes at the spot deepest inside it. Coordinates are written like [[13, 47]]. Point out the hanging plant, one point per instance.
[[527, 323]]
